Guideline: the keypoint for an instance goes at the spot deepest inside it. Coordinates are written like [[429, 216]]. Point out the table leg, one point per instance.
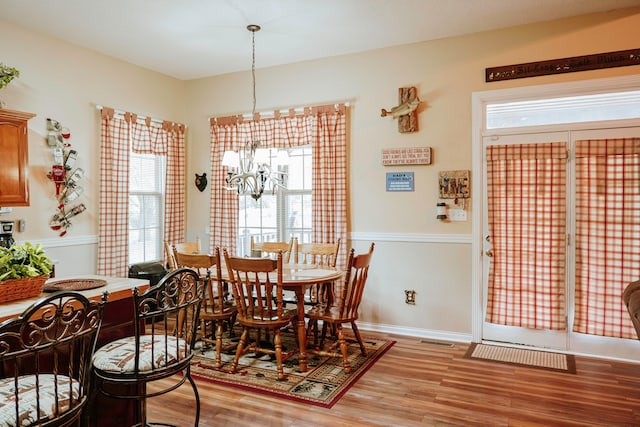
[[302, 329]]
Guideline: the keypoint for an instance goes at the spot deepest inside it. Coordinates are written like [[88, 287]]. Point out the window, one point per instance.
[[146, 196], [573, 109], [283, 215]]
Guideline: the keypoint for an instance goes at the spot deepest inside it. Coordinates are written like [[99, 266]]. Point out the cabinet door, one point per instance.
[[14, 158]]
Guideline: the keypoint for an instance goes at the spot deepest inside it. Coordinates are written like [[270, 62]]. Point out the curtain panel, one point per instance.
[[526, 202], [324, 127], [121, 135], [607, 233]]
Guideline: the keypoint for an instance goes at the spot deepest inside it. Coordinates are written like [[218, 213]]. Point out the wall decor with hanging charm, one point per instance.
[[65, 176]]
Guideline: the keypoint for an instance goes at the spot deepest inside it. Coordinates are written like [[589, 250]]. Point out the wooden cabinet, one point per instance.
[[14, 158]]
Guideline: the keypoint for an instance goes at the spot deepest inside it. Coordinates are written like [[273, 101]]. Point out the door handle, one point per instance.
[[489, 253]]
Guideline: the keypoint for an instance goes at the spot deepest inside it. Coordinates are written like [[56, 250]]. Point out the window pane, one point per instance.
[[136, 247], [146, 196], [574, 109], [144, 173], [283, 215]]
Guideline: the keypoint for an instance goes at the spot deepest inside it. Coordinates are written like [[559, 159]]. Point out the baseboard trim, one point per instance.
[[415, 332]]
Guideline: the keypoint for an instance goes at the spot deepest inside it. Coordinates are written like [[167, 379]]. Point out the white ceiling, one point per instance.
[[197, 38]]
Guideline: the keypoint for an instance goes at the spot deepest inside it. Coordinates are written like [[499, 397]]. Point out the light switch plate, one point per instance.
[[457, 215]]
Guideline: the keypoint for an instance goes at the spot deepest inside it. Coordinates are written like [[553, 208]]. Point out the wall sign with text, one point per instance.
[[406, 156], [597, 61], [400, 181]]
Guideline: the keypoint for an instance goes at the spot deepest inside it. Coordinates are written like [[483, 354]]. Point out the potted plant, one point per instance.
[[23, 271], [7, 74]]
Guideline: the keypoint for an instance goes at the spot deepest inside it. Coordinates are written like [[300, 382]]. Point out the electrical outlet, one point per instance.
[[457, 215]]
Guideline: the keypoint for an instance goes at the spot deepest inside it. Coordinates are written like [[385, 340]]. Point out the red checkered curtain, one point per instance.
[[119, 137], [607, 234], [330, 179], [324, 127], [526, 192], [167, 139], [113, 244]]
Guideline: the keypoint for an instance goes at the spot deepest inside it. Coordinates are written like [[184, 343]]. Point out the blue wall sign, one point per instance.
[[400, 181]]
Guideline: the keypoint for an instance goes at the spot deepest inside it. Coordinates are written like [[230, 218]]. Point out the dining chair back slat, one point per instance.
[[317, 253], [272, 248]]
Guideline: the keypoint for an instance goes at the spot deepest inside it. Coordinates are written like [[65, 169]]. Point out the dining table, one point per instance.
[[297, 278]]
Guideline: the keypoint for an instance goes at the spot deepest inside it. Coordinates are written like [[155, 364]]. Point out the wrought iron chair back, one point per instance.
[[46, 360]]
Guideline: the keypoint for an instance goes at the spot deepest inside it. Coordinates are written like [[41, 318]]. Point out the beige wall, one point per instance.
[[65, 82], [413, 249]]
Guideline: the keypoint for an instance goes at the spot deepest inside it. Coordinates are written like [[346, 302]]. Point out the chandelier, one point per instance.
[[251, 171]]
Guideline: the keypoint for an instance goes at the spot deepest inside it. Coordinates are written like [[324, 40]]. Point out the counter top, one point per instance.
[[118, 288]]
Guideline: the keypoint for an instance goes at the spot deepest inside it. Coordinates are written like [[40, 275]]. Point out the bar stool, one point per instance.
[[166, 320], [47, 350]]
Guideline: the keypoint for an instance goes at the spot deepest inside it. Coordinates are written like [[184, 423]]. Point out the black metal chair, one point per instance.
[[45, 357], [166, 321]]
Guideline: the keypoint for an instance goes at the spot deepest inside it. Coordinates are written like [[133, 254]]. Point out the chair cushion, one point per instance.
[[27, 398], [119, 356]]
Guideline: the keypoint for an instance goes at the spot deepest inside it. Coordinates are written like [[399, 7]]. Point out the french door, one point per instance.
[[561, 228]]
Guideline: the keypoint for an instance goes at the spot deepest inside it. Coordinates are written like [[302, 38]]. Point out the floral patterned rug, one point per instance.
[[324, 383]]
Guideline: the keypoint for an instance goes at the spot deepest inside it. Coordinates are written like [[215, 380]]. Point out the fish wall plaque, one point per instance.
[[406, 111]]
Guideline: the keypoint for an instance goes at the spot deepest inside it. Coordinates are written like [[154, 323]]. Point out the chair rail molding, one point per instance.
[[411, 237], [67, 241]]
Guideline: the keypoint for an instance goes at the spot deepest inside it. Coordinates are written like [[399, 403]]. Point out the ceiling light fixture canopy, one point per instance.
[[250, 171]]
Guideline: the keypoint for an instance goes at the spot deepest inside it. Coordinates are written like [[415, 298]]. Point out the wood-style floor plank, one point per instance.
[[417, 383]]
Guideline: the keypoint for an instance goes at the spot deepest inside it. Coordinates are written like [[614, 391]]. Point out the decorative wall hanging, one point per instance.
[[573, 64], [406, 110], [64, 176], [454, 184], [201, 181], [406, 156]]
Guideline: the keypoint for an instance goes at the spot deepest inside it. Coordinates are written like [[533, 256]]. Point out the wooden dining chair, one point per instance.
[[257, 289], [344, 309], [165, 319], [46, 354], [218, 307], [272, 248], [321, 254], [317, 253]]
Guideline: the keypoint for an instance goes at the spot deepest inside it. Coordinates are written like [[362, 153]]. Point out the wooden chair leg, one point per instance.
[[218, 327], [278, 344], [343, 348], [241, 344], [356, 332]]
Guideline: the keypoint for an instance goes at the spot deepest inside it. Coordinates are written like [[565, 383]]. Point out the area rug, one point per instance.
[[324, 383], [523, 357]]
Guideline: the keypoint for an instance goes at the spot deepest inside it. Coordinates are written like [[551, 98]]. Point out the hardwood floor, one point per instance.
[[419, 383]]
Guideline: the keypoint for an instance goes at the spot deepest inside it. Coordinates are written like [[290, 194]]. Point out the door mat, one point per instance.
[[324, 383], [523, 357]]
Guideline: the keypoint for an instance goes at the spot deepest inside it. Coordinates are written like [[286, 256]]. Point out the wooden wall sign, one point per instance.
[[406, 156], [597, 61]]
